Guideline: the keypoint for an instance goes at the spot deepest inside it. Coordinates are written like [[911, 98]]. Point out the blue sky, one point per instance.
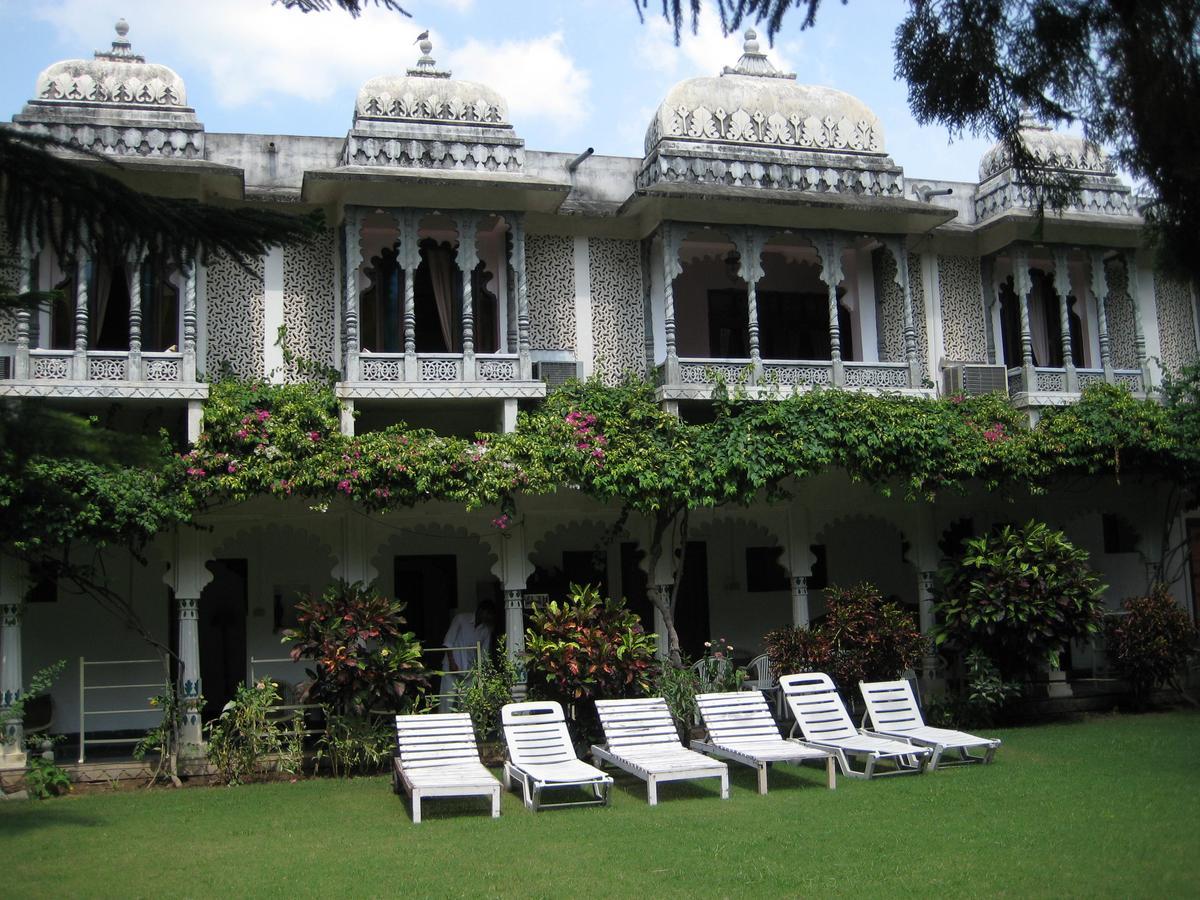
[[576, 74]]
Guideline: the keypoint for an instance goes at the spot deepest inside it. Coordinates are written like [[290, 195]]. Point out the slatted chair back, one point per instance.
[[640, 724], [891, 705], [737, 717], [536, 733], [435, 739], [759, 672], [818, 709]]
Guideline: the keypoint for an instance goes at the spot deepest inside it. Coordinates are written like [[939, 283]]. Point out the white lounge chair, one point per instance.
[[641, 738], [740, 728], [894, 713], [437, 757], [541, 755], [824, 722]]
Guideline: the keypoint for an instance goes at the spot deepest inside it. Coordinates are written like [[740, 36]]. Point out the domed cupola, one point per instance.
[[116, 103], [1054, 151], [427, 119], [755, 126]]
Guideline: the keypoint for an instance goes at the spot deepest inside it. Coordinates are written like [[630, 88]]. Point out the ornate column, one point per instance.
[[991, 296], [1023, 285], [83, 270], [352, 256], [187, 577], [1100, 292], [799, 588], [671, 241], [1062, 286], [12, 608], [750, 245], [188, 372], [829, 249], [133, 371], [518, 248], [925, 612], [468, 259], [911, 355], [514, 632], [25, 284], [1139, 335]]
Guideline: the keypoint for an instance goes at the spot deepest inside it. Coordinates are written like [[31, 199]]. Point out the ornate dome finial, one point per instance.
[[754, 61], [122, 50], [426, 66]]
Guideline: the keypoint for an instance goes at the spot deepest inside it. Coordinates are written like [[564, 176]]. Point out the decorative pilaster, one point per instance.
[[910, 329], [799, 588], [514, 630], [1139, 334], [829, 249], [1100, 292], [352, 257], [663, 594], [518, 261], [24, 286], [468, 259], [991, 296], [647, 306], [134, 371], [750, 246], [925, 611], [83, 271], [189, 321], [1023, 285], [1062, 286], [12, 751], [671, 241], [190, 688]]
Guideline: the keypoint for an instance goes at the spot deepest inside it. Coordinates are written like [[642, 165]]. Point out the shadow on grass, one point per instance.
[[22, 816]]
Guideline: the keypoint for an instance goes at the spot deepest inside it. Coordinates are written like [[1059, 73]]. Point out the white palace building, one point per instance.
[[463, 275]]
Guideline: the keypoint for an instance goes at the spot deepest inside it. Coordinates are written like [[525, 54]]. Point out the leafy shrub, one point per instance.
[[588, 648], [356, 746], [249, 739], [716, 671], [679, 685], [862, 638], [1149, 644], [485, 689], [981, 701], [1020, 595], [364, 658], [43, 779]]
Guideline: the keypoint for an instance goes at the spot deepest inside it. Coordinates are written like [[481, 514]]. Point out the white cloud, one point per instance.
[[537, 77], [706, 52]]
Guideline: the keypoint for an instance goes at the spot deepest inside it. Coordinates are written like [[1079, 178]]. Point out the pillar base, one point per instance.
[[1057, 687], [12, 758]]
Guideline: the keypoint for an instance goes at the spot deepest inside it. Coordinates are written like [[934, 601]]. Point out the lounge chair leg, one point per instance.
[[935, 757], [762, 778], [870, 767], [652, 791], [989, 755], [416, 804], [496, 803], [830, 772], [725, 785]]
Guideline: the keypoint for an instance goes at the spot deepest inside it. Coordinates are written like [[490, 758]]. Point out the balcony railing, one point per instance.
[[439, 367], [792, 373], [1050, 380], [106, 365]]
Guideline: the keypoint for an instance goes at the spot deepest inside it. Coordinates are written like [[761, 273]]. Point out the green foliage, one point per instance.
[[678, 685], [484, 690], [979, 702], [588, 648], [163, 739], [250, 739], [716, 671], [862, 637], [356, 745], [14, 711], [364, 659], [43, 779], [1150, 643], [1020, 595]]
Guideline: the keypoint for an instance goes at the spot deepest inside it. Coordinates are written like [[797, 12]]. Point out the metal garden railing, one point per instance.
[[88, 691]]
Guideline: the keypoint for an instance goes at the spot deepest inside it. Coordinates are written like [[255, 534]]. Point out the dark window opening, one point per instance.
[[764, 572], [819, 579], [1119, 536], [1044, 319], [428, 586]]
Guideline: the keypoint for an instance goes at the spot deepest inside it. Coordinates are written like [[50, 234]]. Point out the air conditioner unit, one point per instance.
[[973, 379], [6, 367], [555, 374]]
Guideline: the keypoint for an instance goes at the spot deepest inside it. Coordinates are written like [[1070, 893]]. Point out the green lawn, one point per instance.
[[1103, 807]]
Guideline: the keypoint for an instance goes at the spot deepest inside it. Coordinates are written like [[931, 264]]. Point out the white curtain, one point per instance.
[[441, 274], [1037, 327]]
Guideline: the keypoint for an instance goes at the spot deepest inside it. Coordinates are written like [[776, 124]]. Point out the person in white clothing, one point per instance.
[[465, 631]]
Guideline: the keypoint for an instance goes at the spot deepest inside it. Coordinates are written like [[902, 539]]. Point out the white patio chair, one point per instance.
[[740, 728], [894, 712], [541, 756], [822, 718], [759, 678], [437, 757], [641, 739]]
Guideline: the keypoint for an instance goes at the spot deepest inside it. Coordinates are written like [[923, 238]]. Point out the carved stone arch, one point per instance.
[[745, 523], [306, 544], [456, 536], [865, 518], [870, 547]]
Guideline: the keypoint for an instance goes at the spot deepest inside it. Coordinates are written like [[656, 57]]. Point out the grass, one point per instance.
[[1104, 807]]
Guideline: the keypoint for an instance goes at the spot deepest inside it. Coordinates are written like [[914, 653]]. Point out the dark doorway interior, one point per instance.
[[429, 585], [691, 611], [222, 633], [634, 584]]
